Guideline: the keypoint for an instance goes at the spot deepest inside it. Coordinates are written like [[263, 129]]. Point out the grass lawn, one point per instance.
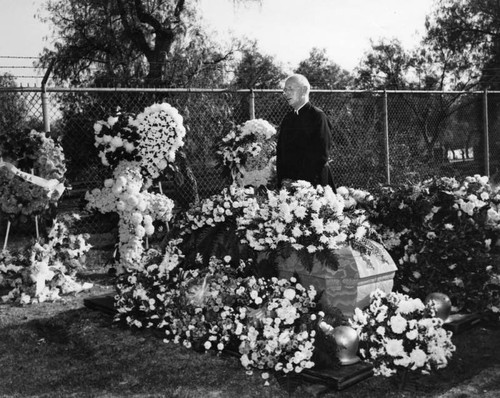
[[63, 349]]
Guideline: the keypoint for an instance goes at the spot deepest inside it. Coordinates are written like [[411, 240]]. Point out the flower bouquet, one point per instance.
[[398, 333], [117, 138], [248, 151], [284, 338]]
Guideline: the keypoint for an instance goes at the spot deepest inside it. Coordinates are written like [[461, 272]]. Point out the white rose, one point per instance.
[[97, 127], [112, 120], [116, 142], [289, 294], [398, 324]]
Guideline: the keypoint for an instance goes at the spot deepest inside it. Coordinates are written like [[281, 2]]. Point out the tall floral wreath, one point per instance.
[[42, 156], [248, 152], [152, 138]]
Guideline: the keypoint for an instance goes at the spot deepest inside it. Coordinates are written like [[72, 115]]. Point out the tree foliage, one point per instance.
[[256, 70], [386, 66], [467, 34], [130, 41], [322, 72]]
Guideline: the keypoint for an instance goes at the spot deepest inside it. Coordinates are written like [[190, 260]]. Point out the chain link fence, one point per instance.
[[378, 137]]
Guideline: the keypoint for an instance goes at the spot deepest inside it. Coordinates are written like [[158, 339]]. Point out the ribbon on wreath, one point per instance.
[[54, 188]]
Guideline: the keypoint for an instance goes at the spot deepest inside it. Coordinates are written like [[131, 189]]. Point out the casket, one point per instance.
[[349, 286]]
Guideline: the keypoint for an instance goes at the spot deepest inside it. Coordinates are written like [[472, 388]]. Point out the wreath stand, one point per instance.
[[6, 239]]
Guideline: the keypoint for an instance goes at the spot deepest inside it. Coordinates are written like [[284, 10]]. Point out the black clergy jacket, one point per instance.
[[303, 146]]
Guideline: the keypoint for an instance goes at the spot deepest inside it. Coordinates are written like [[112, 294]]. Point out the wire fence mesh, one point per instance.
[[378, 137]]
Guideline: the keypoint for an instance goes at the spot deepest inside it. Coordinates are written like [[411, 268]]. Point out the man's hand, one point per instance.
[[7, 165]]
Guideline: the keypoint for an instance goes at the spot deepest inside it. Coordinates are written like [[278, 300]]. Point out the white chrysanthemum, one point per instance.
[[418, 357], [398, 324], [394, 347]]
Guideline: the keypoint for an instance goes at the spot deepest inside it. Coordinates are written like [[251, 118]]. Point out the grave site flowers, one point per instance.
[[209, 300], [151, 137], [222, 307], [202, 290]]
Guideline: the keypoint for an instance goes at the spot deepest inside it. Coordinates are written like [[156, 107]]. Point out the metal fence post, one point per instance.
[[486, 134], [386, 140], [45, 106], [252, 105]]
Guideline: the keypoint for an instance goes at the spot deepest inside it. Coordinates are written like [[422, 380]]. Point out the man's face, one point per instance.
[[294, 93]]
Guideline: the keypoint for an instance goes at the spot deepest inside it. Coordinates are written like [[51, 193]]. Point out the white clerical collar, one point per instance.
[[299, 108]]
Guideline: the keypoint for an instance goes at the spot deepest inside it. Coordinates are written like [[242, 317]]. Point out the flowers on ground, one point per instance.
[[45, 270], [270, 322], [398, 332], [283, 338]]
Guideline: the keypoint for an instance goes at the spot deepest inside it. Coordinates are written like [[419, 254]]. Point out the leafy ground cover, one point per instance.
[[63, 349]]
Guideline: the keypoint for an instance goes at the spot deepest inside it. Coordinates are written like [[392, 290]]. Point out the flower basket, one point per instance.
[[349, 286]]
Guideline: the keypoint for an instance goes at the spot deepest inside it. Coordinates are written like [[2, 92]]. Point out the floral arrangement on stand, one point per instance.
[[44, 271], [151, 138], [31, 152], [249, 151], [139, 149], [400, 334], [442, 232]]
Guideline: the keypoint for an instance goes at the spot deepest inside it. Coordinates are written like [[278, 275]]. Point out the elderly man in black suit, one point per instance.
[[304, 138]]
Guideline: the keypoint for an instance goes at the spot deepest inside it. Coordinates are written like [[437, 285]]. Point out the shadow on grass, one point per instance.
[[80, 352]]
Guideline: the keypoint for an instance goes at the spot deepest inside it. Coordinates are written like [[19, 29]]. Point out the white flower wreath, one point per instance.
[[152, 137], [162, 134]]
